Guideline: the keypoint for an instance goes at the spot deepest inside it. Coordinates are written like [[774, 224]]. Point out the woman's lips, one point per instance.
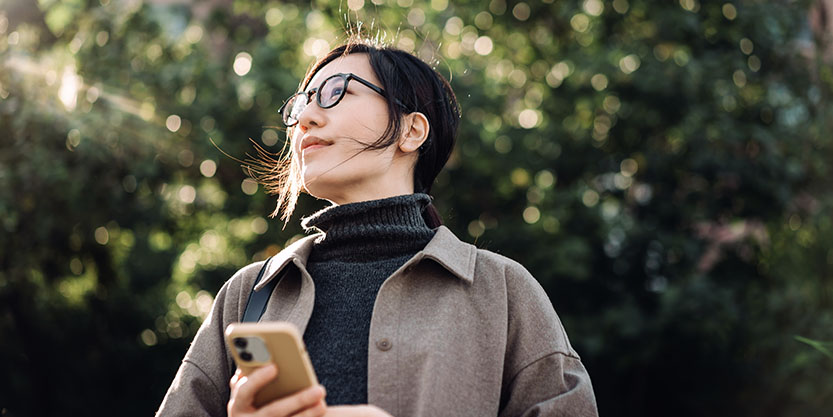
[[309, 143], [313, 147]]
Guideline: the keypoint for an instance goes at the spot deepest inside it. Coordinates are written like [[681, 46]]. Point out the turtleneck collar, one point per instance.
[[370, 229]]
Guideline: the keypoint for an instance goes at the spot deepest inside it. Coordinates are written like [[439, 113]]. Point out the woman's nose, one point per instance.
[[312, 116]]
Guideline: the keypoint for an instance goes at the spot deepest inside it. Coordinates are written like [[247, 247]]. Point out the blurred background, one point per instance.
[[662, 167]]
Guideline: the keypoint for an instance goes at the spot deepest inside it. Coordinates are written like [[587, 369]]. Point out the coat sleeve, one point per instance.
[[201, 385], [543, 375]]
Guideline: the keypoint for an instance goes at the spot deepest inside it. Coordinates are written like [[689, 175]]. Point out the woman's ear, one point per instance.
[[415, 130]]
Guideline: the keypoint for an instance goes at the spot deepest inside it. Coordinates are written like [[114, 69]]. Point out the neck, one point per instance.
[[351, 195], [371, 229]]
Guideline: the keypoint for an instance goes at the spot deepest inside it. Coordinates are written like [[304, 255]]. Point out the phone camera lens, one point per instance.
[[246, 356], [240, 342]]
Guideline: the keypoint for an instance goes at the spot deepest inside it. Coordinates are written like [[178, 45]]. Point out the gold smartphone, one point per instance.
[[258, 344]]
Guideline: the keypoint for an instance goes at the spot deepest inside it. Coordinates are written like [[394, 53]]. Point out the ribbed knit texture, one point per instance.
[[362, 245]]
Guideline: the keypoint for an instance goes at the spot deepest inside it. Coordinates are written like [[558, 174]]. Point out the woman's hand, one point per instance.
[[306, 403], [356, 411]]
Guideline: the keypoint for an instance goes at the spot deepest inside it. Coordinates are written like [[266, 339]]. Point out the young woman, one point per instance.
[[398, 315]]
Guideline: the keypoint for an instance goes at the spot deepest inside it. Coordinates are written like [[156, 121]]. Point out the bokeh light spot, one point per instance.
[[754, 63], [599, 82], [545, 179], [259, 225], [483, 20], [483, 45], [416, 17], [520, 177], [611, 104], [551, 225], [269, 137], [193, 34], [242, 63], [187, 194], [68, 93], [102, 236], [629, 167], [102, 37], [76, 266], [503, 145], [454, 26], [208, 168], [593, 7], [148, 337], [794, 222], [476, 228], [531, 214], [185, 157], [183, 300], [746, 46], [590, 198], [316, 47], [690, 5], [249, 186], [729, 11], [73, 139], [204, 301], [314, 20], [173, 123], [517, 78], [739, 78], [580, 22], [521, 11], [274, 16], [621, 6], [629, 63], [528, 119], [355, 4]]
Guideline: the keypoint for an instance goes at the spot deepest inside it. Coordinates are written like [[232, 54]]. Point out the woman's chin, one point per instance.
[[319, 189]]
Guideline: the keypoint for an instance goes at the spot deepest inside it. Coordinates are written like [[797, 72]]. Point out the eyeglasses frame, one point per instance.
[[346, 77]]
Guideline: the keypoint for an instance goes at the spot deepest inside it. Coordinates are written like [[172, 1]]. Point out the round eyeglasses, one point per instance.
[[329, 93]]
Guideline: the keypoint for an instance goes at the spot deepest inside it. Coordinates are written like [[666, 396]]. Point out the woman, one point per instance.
[[396, 312]]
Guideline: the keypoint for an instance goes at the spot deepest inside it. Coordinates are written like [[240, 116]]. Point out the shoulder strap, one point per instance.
[[258, 299]]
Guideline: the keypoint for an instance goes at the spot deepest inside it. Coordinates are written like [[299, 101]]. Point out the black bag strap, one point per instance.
[[258, 299]]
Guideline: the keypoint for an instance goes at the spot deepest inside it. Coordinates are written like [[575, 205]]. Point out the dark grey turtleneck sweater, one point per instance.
[[362, 245]]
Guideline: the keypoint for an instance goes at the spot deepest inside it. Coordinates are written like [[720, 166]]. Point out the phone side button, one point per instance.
[[384, 344]]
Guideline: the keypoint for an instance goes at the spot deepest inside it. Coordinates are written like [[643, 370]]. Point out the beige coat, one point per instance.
[[456, 331]]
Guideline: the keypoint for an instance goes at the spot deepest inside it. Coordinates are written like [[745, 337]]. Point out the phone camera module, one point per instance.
[[246, 356], [240, 342]]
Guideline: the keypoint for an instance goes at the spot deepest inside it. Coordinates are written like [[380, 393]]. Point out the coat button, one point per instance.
[[384, 344]]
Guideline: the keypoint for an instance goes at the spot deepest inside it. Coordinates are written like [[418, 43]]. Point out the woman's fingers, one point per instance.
[[233, 381], [244, 389], [306, 403], [318, 410]]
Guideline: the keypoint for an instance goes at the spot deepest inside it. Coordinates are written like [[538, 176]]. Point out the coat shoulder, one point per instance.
[[532, 315], [517, 277]]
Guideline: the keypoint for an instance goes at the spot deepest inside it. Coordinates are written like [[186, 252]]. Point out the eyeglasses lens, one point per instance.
[[293, 108], [331, 91]]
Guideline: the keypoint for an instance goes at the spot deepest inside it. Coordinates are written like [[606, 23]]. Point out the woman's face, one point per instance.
[[329, 144]]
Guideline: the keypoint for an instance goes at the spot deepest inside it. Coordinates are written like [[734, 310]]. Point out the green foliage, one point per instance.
[[817, 345], [661, 167]]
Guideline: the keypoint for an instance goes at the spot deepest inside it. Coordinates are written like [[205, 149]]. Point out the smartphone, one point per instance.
[[258, 344]]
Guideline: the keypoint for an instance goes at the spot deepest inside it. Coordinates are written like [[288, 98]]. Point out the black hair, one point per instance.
[[410, 85]]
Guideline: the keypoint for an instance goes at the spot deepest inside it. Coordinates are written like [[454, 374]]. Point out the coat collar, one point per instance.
[[444, 248]]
